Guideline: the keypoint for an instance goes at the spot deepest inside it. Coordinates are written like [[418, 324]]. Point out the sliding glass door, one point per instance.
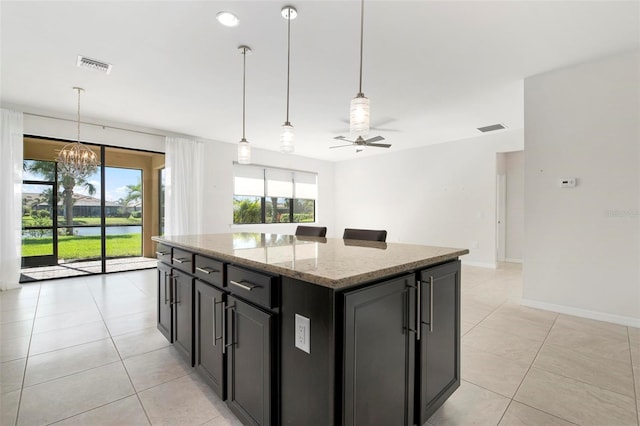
[[90, 224]]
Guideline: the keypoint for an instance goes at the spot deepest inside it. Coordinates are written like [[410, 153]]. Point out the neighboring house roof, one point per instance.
[[81, 200]]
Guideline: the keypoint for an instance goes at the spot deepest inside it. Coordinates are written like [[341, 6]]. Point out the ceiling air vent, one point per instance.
[[492, 127], [92, 64]]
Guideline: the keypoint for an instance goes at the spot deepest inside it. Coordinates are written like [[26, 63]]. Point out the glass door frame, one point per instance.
[[48, 259]]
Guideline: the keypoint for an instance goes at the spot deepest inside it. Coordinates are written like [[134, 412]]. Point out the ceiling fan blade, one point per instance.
[[340, 146], [379, 145], [340, 138], [374, 139]]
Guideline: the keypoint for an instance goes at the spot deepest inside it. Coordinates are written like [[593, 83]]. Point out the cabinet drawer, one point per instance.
[[253, 286], [209, 270], [163, 252], [183, 260]]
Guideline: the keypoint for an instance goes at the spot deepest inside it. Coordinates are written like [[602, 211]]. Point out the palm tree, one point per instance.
[[134, 193], [47, 169]]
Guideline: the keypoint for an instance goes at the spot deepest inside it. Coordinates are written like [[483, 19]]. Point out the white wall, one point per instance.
[[514, 169], [442, 195], [67, 129], [582, 251], [218, 188]]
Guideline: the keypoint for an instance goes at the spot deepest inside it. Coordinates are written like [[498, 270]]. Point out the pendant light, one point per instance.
[[359, 112], [244, 150], [286, 134], [76, 159]]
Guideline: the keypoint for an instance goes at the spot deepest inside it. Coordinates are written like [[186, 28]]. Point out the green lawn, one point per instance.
[[73, 247]]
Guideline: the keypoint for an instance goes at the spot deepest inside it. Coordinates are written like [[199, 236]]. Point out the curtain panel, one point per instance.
[[11, 147], [184, 165]]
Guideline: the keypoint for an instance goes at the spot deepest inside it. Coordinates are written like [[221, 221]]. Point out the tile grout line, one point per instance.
[[135, 391], [633, 376], [26, 361], [529, 369]]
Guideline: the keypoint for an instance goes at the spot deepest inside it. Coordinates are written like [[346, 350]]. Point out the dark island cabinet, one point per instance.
[[209, 307], [165, 301], [379, 354], [250, 346], [440, 336], [183, 313]]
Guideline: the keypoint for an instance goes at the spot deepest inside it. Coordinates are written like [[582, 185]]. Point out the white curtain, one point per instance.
[[184, 160], [11, 198]]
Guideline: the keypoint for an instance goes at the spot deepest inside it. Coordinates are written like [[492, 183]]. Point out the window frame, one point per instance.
[[265, 199]]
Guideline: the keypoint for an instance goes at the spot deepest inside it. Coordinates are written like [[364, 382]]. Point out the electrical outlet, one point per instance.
[[303, 333]]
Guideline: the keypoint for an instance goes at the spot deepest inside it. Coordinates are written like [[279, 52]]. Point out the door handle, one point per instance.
[[165, 288], [175, 293], [418, 310]]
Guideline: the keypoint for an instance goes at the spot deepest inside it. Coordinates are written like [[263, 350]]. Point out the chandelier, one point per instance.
[[76, 159]]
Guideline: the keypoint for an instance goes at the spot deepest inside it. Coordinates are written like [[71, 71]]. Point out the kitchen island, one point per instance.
[[314, 331]]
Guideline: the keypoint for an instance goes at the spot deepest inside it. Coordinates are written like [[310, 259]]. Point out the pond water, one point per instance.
[[111, 230]]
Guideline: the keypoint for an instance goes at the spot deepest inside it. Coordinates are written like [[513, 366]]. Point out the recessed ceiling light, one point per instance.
[[227, 19]]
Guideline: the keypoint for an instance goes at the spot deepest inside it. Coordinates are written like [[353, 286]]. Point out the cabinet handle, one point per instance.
[[232, 326], [162, 253], [175, 259], [431, 304], [419, 311], [247, 286], [166, 300], [224, 328], [215, 338], [206, 270], [175, 294]]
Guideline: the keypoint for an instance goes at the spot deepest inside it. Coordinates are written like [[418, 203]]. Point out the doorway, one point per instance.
[[97, 223]]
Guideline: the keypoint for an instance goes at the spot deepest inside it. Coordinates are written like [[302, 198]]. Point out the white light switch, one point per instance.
[[303, 333]]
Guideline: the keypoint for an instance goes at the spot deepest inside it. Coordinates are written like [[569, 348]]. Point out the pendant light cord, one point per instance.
[[244, 78], [288, 58], [361, 41], [78, 89]]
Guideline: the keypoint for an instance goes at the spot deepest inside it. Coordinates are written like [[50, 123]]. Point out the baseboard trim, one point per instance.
[[584, 313], [511, 260], [480, 264]]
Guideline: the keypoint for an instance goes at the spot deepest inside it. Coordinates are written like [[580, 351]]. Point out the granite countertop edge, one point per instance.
[[336, 284]]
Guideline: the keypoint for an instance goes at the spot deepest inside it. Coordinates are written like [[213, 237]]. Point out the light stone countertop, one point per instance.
[[329, 262]]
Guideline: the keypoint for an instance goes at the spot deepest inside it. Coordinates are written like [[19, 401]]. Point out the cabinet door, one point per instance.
[[440, 336], [379, 348], [249, 362], [165, 300], [182, 313], [209, 347]]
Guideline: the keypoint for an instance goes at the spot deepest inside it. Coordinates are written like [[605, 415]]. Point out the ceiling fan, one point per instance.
[[360, 143]]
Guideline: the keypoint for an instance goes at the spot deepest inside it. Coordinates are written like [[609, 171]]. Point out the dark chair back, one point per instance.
[[365, 234], [311, 231]]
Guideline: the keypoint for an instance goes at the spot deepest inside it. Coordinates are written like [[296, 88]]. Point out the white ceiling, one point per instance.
[[434, 71]]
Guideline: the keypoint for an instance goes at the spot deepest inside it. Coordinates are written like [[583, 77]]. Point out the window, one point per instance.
[[270, 195]]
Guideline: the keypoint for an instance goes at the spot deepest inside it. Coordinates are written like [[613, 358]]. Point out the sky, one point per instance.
[[116, 180]]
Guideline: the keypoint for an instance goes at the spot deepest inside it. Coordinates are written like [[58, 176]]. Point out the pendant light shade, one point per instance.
[[76, 159], [359, 111], [287, 138], [244, 149], [286, 133], [359, 116], [244, 152]]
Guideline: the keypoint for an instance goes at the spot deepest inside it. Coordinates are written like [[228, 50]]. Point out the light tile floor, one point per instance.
[[85, 351]]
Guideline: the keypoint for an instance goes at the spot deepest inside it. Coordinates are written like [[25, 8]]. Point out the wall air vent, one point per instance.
[[492, 127], [92, 64]]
